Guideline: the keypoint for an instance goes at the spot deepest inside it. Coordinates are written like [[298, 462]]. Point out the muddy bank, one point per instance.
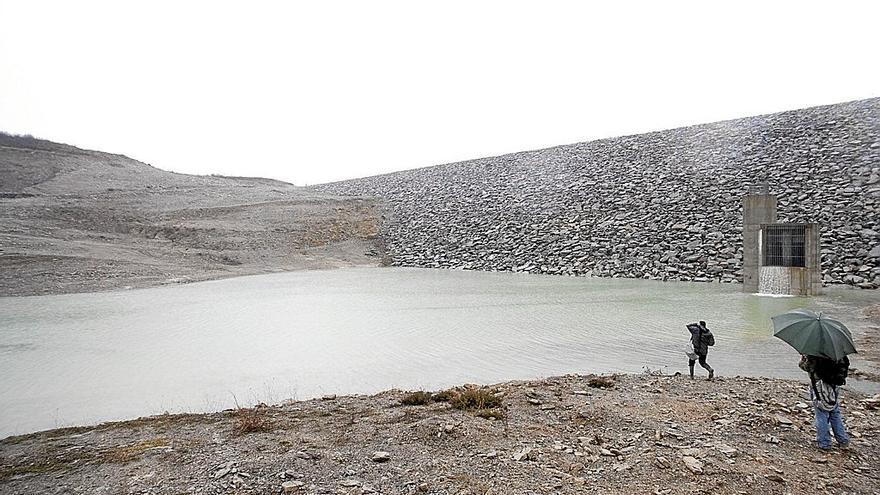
[[74, 220], [627, 434]]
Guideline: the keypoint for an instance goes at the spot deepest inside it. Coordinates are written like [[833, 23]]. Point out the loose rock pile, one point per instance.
[[665, 205]]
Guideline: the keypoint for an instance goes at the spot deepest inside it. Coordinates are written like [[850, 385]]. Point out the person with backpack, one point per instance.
[[701, 340], [826, 378]]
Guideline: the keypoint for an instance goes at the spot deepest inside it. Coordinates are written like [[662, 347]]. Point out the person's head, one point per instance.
[[703, 324]]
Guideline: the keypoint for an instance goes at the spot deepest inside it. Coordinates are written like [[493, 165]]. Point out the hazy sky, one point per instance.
[[316, 91]]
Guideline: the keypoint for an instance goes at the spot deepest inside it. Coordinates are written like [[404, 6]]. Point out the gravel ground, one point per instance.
[[645, 434]]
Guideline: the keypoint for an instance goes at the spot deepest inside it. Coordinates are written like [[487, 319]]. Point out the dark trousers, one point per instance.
[[703, 363]]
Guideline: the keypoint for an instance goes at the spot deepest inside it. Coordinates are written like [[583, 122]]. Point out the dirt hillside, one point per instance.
[[73, 220]]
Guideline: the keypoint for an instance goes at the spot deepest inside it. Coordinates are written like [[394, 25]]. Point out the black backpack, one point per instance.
[[832, 372]]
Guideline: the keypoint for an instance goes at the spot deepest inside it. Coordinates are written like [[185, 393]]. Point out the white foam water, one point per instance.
[[774, 280]]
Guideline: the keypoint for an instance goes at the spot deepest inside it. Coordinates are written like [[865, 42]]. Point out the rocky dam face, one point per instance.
[[665, 205]]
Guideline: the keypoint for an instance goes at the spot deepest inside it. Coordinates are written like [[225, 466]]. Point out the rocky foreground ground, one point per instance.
[[622, 434], [664, 205], [74, 220]]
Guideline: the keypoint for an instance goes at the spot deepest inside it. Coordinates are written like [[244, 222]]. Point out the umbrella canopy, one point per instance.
[[814, 334]]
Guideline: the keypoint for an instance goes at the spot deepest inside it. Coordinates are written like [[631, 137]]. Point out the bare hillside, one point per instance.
[[73, 220]]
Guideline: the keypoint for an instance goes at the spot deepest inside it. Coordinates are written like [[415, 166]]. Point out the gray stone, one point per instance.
[[380, 456], [523, 455], [291, 486], [693, 464]]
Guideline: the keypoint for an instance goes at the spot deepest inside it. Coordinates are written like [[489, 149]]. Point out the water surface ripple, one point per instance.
[[86, 358]]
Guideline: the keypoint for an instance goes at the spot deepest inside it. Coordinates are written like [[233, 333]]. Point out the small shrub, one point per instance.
[[490, 414], [251, 421], [444, 396], [419, 398], [475, 398], [601, 382]]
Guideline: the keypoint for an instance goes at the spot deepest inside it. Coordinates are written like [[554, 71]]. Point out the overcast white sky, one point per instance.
[[310, 92]]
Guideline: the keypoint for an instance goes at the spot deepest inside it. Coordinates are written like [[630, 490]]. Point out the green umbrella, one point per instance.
[[814, 334]]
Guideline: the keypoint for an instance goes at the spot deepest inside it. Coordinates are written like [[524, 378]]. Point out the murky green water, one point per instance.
[[86, 358]]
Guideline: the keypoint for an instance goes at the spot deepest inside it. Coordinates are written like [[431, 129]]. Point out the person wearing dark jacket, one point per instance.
[[701, 339], [826, 378]]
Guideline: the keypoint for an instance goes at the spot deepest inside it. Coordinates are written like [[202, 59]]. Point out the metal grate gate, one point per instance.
[[784, 245]]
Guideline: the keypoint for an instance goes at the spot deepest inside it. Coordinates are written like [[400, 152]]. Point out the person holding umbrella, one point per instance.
[[824, 344]]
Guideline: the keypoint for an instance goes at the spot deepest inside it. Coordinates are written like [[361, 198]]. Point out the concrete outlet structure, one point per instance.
[[778, 258]]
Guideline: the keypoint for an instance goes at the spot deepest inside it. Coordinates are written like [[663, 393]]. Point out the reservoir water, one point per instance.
[[86, 358]]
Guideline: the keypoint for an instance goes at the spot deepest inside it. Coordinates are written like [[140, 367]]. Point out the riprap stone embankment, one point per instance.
[[664, 205]]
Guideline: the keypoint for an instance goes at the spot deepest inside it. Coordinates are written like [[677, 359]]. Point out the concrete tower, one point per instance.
[[778, 258], [759, 208]]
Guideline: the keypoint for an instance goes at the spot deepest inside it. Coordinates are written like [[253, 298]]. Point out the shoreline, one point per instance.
[[860, 382], [644, 433], [211, 276]]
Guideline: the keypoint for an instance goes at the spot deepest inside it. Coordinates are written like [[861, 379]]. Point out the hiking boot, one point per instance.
[[711, 374]]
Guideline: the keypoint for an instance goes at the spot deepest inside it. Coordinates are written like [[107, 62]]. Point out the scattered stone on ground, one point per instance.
[[648, 433]]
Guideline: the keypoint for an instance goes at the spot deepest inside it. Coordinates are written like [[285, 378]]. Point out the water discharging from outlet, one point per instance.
[[774, 280]]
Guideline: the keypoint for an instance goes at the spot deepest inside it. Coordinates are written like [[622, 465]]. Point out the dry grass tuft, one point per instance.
[[444, 396], [128, 453], [490, 414], [601, 382], [475, 398], [41, 466], [255, 420], [419, 398]]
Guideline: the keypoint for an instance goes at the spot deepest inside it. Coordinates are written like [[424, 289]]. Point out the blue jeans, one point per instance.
[[827, 421]]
